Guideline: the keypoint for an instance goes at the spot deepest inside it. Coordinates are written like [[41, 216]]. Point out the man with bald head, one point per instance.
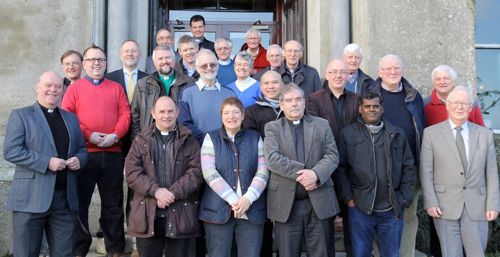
[[340, 107], [274, 56], [294, 71], [47, 147], [169, 191], [163, 38], [404, 108]]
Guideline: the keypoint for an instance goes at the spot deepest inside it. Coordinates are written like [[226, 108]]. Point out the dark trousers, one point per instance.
[[267, 242], [106, 170], [434, 245], [304, 226], [159, 244], [58, 222]]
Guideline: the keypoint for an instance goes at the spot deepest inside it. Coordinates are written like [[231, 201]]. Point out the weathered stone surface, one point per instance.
[[423, 33]]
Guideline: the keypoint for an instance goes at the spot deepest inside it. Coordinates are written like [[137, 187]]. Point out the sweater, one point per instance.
[[200, 109], [103, 108], [435, 111], [247, 96], [226, 73]]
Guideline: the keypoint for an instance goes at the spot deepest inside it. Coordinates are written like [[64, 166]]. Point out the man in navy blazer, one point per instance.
[[47, 147]]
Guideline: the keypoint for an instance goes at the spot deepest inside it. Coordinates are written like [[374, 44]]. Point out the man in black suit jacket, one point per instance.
[[127, 77]]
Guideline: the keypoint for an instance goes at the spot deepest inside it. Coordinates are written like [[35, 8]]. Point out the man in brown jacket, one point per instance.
[[163, 169]]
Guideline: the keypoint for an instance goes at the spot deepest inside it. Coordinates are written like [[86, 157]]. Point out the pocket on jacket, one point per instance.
[[440, 188], [187, 218], [138, 217], [24, 174]]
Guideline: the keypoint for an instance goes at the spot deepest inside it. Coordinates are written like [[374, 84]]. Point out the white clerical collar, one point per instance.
[[296, 122], [201, 85], [221, 62]]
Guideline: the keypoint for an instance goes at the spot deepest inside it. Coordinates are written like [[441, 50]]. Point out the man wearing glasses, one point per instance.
[[102, 108], [404, 108], [200, 103]]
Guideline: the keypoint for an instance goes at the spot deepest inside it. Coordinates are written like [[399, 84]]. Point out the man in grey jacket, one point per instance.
[[301, 155]]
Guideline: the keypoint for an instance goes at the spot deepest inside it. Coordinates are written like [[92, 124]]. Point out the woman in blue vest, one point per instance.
[[234, 203]]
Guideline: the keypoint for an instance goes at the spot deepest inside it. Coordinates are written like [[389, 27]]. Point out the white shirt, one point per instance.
[[135, 72], [201, 85], [243, 85], [465, 135]]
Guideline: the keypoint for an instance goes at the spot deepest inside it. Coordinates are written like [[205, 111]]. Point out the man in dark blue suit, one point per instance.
[[47, 147]]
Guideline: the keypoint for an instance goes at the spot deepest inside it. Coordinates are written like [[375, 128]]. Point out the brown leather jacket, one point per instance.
[[182, 215]]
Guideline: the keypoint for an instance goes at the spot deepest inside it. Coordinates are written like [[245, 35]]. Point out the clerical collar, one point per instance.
[[295, 122], [167, 133], [96, 82], [47, 110], [227, 62]]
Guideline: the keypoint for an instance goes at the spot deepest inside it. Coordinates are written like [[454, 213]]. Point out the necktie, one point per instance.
[[459, 140], [130, 86]]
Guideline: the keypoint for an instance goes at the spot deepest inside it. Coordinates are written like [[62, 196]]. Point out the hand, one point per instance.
[[164, 197], [96, 138], [434, 212], [73, 163], [56, 164], [350, 203], [491, 215], [108, 140], [241, 206], [308, 179]]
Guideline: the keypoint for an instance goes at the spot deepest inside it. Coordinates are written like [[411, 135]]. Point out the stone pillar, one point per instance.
[[139, 28], [98, 22], [327, 31], [118, 30]]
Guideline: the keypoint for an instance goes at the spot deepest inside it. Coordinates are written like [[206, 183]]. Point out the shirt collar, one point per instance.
[[96, 82], [465, 126], [201, 85], [221, 62], [400, 88], [134, 71]]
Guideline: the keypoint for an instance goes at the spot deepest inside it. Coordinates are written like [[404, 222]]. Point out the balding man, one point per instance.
[[275, 57], [47, 147], [459, 176], [167, 192], [294, 71], [404, 108], [163, 37], [357, 78], [340, 107]]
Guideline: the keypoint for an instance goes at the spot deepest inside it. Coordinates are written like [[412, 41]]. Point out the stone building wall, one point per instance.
[[34, 34]]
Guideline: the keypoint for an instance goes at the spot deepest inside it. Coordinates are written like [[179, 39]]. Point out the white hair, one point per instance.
[[353, 48], [446, 69]]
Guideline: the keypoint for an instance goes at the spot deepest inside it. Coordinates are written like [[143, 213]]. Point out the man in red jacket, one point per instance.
[[257, 51], [102, 108]]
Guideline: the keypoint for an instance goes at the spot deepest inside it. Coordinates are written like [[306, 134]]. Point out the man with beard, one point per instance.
[[200, 102], [164, 82]]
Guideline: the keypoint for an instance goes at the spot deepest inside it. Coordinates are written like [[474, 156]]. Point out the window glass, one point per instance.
[[487, 22], [488, 84]]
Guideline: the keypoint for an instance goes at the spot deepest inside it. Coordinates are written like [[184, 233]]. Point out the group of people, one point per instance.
[[233, 154]]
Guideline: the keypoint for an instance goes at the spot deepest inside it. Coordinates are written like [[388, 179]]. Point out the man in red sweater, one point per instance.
[[102, 108]]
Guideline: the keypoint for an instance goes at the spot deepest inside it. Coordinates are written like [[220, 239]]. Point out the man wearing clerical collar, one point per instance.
[[301, 155], [47, 147]]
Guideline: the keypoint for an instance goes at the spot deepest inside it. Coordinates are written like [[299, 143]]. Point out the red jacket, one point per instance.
[[435, 111], [260, 61], [102, 108]]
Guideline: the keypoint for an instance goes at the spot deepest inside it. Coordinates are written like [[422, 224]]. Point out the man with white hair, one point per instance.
[[255, 49], [275, 58], [459, 177], [357, 78], [404, 108], [226, 74]]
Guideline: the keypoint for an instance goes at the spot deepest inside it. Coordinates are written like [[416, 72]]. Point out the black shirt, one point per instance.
[[61, 140]]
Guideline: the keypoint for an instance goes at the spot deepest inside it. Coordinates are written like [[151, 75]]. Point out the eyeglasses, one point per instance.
[[396, 69], [207, 65], [338, 72], [69, 64], [93, 60], [222, 48], [462, 104]]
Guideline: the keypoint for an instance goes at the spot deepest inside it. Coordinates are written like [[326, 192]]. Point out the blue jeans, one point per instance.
[[220, 238], [364, 228]]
